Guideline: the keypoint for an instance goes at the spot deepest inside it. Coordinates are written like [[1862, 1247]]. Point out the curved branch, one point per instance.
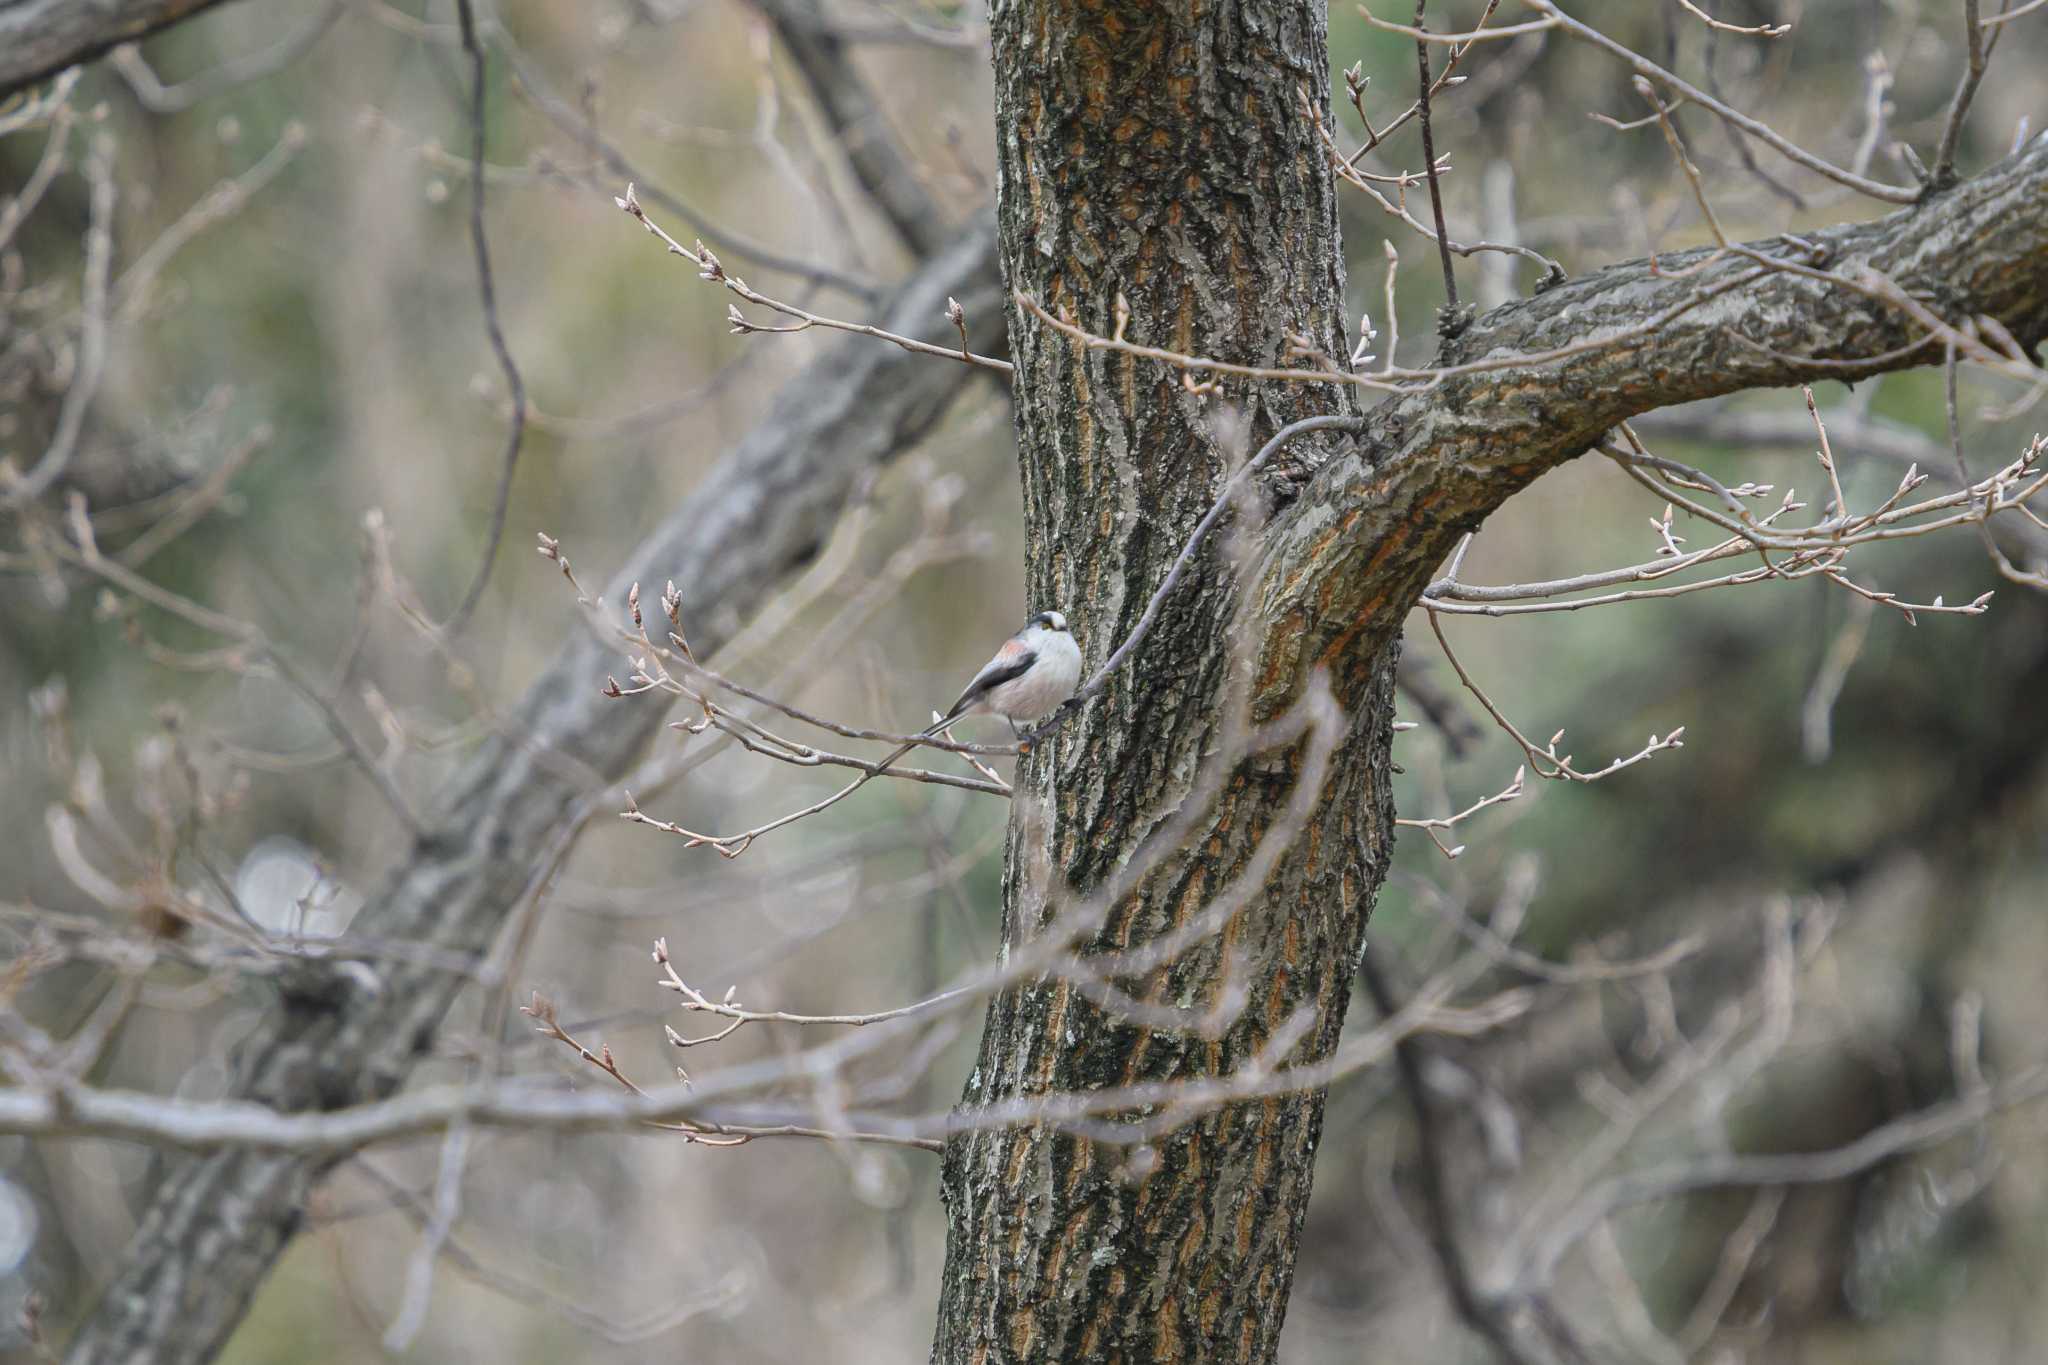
[[1345, 562]]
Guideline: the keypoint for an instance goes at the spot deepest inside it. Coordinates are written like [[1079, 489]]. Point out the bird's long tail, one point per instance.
[[938, 727]]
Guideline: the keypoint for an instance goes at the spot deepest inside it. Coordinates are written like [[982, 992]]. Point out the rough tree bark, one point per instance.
[[1161, 153], [1160, 156]]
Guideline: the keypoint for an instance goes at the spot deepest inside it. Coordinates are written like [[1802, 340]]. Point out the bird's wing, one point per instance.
[[1013, 660]]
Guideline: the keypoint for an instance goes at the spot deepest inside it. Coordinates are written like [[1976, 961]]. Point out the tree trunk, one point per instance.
[[1160, 155]]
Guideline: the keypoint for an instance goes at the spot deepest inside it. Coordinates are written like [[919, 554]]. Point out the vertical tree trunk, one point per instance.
[[1161, 152]]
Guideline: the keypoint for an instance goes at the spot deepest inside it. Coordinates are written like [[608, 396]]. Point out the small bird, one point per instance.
[[1036, 669]]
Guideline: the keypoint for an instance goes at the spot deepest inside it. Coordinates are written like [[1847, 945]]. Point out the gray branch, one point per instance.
[[872, 150], [39, 38], [1379, 519], [219, 1219]]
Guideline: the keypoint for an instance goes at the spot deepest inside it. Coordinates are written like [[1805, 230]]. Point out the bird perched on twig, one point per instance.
[[1035, 670]]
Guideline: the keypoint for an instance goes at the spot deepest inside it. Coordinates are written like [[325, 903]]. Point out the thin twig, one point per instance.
[[1943, 173], [1778, 142], [132, 290], [1466, 39], [87, 556], [23, 201], [710, 268], [1995, 20], [1913, 1132], [1481, 1313], [1553, 271], [1685, 163], [152, 94], [1432, 824], [1559, 766], [1754, 31], [1356, 85], [1451, 324], [92, 339], [487, 290]]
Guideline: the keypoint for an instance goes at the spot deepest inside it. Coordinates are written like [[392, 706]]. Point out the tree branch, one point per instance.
[[39, 38], [219, 1219], [1344, 563], [494, 331], [849, 105]]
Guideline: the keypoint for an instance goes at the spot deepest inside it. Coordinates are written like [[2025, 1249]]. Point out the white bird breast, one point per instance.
[[1052, 678]]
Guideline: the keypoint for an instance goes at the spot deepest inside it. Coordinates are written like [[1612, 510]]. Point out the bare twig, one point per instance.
[[1911, 1133], [132, 291], [1355, 81], [152, 94], [487, 290], [1431, 826], [2008, 16], [583, 131], [1791, 151], [1677, 145], [1546, 760], [92, 341], [1943, 173], [23, 201], [1451, 323], [730, 1009], [709, 268], [1721, 25], [1481, 1312], [1553, 271], [1466, 39], [542, 1011]]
